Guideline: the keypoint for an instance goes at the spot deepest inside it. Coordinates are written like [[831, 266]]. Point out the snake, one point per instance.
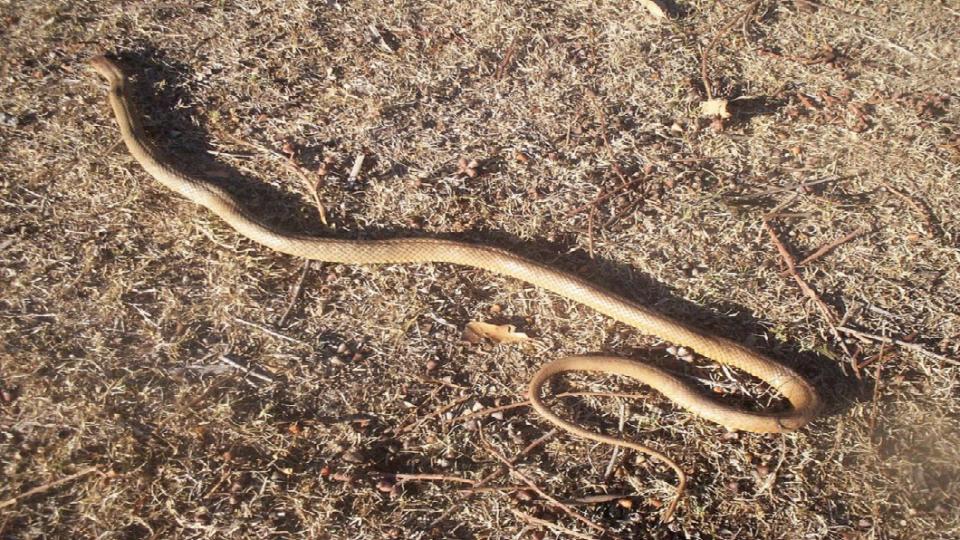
[[801, 395]]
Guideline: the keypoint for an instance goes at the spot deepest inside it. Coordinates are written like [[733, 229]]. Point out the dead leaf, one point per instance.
[[715, 107], [655, 8], [476, 331]]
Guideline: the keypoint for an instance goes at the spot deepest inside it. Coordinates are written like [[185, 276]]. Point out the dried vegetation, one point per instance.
[[222, 390]]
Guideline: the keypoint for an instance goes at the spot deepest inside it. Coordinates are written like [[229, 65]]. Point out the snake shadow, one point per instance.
[[165, 82]]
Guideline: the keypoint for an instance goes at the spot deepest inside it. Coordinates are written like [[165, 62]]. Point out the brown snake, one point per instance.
[[419, 250]]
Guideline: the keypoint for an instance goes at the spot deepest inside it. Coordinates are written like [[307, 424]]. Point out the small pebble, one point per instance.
[[386, 485]]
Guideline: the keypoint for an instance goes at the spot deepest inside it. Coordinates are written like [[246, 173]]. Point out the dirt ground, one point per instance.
[[162, 377]]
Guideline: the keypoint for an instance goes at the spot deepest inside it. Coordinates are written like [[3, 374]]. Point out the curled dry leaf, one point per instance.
[[715, 107], [476, 331]]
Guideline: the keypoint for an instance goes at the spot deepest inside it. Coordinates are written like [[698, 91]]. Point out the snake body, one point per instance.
[[792, 386]]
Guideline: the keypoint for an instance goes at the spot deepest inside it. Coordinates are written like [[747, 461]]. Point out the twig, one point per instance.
[[270, 332], [827, 248], [791, 264], [507, 58], [294, 293], [437, 412], [929, 222], [838, 10], [357, 167], [782, 206], [707, 86], [550, 525], [602, 118], [247, 370], [576, 120], [47, 487], [876, 394], [404, 477], [491, 489], [529, 448], [590, 214], [526, 403], [603, 196], [774, 191], [598, 499], [893, 341], [611, 465], [532, 485], [312, 186]]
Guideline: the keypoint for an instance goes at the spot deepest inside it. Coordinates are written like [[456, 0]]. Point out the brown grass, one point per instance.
[[117, 298]]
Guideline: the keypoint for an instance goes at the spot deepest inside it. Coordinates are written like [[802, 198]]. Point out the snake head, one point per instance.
[[109, 70]]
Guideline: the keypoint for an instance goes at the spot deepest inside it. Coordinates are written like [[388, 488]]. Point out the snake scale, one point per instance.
[[793, 387]]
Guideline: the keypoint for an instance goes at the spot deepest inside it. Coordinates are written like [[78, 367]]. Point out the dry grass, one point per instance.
[[117, 298]]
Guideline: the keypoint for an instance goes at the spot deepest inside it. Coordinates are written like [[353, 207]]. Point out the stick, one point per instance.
[[526, 403], [312, 187], [47, 487], [807, 290], [713, 42], [550, 525], [602, 118], [917, 206], [792, 271], [827, 248], [247, 370], [357, 167], [598, 499], [295, 293], [529, 448], [270, 332], [901, 343], [403, 477], [530, 483], [507, 58], [838, 10], [590, 214], [436, 412], [603, 196], [774, 191], [611, 465]]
